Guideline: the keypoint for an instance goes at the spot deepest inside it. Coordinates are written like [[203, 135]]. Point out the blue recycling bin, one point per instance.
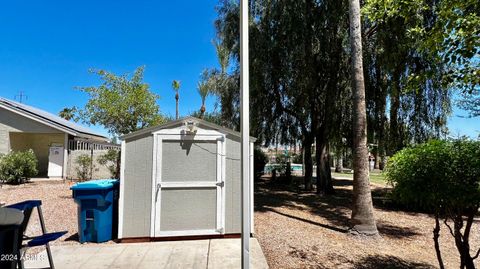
[[97, 207]]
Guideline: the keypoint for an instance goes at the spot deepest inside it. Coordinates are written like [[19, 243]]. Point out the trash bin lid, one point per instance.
[[98, 184]]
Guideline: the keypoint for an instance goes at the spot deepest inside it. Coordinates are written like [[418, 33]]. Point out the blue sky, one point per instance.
[[47, 47]]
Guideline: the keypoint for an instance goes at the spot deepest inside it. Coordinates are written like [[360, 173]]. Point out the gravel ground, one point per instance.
[[59, 209], [295, 229], [302, 230]]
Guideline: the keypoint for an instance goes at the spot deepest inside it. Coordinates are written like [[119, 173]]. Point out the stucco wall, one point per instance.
[[39, 143], [98, 172], [12, 122]]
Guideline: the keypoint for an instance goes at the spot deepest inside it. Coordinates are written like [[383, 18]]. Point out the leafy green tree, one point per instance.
[[442, 177], [122, 104], [176, 87]]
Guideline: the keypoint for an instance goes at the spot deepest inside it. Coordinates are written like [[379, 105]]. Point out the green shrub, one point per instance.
[[111, 160], [442, 177], [18, 166], [84, 167], [438, 175]]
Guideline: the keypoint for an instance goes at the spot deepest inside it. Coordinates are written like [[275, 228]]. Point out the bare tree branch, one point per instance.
[[448, 226], [476, 255]]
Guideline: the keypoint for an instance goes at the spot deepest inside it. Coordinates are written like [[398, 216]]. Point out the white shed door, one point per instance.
[[189, 190], [55, 161]]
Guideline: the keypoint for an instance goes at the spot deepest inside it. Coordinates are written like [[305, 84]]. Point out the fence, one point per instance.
[[92, 149], [90, 145]]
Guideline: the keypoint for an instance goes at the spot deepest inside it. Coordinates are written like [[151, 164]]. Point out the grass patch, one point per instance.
[[375, 177]]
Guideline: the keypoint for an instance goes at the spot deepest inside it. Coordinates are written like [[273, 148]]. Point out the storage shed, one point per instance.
[[181, 178]]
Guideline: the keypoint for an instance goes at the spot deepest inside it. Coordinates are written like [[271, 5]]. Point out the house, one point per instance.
[[181, 178], [54, 140]]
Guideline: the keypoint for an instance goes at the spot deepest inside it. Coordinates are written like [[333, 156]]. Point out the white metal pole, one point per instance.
[[245, 130]]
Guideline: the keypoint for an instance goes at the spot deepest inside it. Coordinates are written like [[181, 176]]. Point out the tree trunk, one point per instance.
[[176, 105], [362, 220], [303, 160], [202, 111], [288, 172], [324, 174], [307, 148], [339, 160], [436, 235], [462, 240], [394, 134], [380, 108], [381, 151], [118, 164]]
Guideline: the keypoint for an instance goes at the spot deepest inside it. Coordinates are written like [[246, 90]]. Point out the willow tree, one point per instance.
[[295, 78], [418, 59]]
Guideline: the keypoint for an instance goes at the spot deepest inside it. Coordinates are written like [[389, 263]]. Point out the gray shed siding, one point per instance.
[[137, 187], [188, 209], [198, 157], [232, 187]]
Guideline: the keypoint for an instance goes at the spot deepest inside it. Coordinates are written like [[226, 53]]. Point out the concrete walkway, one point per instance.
[[214, 253]]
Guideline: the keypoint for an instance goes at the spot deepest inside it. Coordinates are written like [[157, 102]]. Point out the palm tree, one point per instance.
[[362, 220], [176, 87], [223, 56], [204, 91], [68, 113]]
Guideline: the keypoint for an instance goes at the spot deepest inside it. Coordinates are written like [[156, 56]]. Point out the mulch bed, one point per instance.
[[303, 230]]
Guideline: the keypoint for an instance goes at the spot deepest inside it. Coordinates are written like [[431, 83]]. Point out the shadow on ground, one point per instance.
[[335, 209], [393, 231], [388, 262], [73, 237]]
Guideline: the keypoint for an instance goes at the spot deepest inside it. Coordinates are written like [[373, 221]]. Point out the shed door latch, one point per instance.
[[221, 184]]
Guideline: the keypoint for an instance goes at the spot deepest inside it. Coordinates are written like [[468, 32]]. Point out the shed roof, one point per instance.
[[50, 119], [180, 122]]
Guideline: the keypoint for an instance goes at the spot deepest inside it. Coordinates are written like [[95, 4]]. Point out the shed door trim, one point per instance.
[[176, 134]]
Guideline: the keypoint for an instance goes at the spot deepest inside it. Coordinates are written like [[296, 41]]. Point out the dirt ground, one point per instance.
[[302, 230], [295, 229]]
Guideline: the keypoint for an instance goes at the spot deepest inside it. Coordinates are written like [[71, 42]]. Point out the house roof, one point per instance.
[[50, 119], [181, 121]]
